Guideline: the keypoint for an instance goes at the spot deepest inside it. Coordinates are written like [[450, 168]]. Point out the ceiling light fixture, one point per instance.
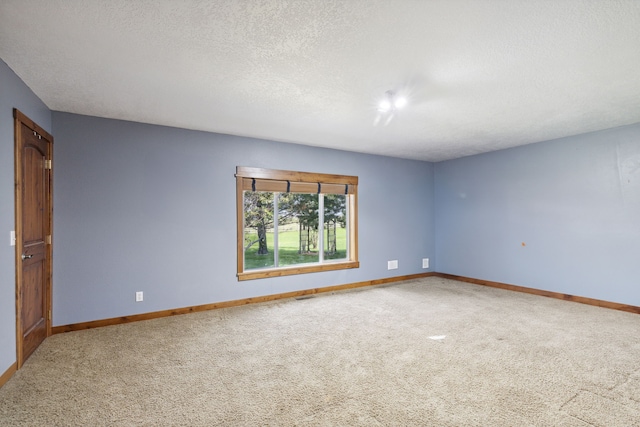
[[388, 107]]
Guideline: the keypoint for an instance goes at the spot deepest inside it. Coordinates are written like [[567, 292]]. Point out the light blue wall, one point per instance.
[[574, 202], [13, 94], [150, 208]]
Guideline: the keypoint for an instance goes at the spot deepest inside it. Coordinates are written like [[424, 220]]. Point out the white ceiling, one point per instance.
[[480, 75]]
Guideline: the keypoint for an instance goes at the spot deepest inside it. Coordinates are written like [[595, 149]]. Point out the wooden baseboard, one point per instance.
[[225, 304], [557, 295], [8, 374], [296, 294]]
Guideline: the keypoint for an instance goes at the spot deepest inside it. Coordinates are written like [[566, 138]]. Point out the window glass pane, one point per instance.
[[258, 229], [297, 229], [335, 226]]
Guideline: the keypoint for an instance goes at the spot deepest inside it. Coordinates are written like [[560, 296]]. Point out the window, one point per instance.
[[295, 222]]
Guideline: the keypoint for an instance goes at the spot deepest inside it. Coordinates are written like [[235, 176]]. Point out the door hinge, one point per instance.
[[49, 314], [47, 239], [47, 164]]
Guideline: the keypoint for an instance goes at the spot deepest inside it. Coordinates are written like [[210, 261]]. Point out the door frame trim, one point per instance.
[[19, 119]]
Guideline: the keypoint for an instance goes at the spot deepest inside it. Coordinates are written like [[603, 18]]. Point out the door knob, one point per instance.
[[26, 256]]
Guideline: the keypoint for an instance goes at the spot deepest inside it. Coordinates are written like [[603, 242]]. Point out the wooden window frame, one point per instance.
[[273, 180]]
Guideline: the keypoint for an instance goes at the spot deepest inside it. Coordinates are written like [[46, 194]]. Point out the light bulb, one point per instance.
[[384, 106], [400, 102]]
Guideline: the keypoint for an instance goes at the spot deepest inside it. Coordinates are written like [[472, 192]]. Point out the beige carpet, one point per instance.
[[369, 357]]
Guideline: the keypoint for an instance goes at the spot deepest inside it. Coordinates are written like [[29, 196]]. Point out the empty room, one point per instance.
[[320, 213]]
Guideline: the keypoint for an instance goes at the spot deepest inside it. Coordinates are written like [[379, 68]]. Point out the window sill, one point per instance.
[[288, 271]]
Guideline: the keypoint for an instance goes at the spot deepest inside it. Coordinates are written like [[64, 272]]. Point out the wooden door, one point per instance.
[[33, 149]]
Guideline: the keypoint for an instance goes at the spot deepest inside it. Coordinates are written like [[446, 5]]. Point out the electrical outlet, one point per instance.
[[139, 296], [425, 262], [392, 265]]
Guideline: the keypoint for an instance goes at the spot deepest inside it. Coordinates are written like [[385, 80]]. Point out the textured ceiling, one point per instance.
[[480, 75]]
